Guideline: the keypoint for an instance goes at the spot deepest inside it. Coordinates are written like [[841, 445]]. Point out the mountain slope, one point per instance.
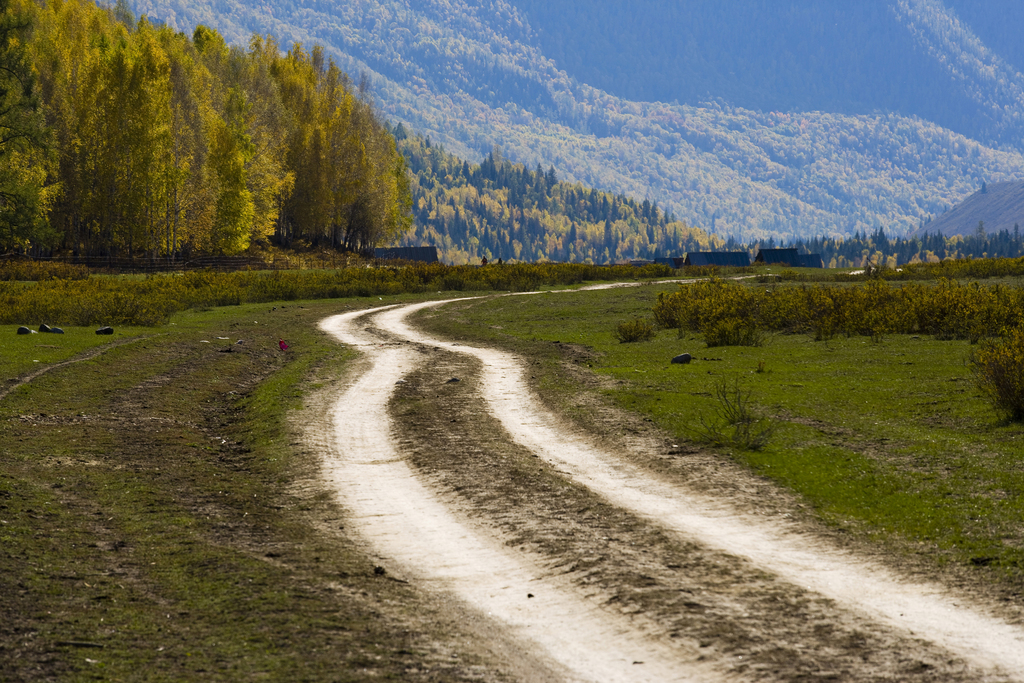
[[472, 74], [915, 58], [998, 206]]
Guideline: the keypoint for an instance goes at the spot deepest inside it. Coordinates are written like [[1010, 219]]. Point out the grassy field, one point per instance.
[[158, 521], [887, 438]]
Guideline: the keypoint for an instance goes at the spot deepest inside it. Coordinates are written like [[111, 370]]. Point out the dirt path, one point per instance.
[[407, 524], [413, 524]]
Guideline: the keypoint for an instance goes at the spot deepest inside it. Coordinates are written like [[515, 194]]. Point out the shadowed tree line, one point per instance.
[[876, 249]]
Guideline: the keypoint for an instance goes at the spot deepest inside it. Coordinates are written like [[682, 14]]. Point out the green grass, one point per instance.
[[23, 354], [889, 438], [148, 506]]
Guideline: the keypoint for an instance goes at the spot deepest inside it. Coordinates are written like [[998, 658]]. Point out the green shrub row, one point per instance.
[[951, 269], [153, 299], [724, 310]]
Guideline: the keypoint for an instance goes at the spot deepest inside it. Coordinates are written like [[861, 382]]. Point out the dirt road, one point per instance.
[[725, 595]]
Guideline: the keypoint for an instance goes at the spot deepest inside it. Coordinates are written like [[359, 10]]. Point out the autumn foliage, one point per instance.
[[153, 299], [998, 367], [947, 310], [161, 144]]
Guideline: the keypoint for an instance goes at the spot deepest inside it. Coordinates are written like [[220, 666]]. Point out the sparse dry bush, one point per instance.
[[734, 422]]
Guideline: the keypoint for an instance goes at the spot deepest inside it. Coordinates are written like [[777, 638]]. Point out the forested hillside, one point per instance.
[[474, 74], [498, 209], [137, 140], [917, 59]]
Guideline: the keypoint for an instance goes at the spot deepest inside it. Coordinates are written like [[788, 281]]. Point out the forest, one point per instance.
[[126, 137], [877, 250], [122, 137], [500, 209]]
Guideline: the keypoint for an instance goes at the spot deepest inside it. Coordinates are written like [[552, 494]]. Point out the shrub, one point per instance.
[[998, 367], [728, 311], [734, 333], [37, 271], [634, 331], [734, 422]]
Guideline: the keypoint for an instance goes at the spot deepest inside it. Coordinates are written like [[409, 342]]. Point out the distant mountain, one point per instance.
[[819, 118], [997, 207], [914, 58]]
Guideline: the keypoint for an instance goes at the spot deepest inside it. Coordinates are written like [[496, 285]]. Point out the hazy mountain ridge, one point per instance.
[[994, 84], [470, 75]]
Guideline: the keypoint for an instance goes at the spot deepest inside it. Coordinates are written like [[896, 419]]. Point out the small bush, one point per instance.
[[734, 333], [634, 331], [734, 422], [998, 368]]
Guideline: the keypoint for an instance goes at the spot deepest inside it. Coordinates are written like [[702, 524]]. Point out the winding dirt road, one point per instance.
[[456, 546]]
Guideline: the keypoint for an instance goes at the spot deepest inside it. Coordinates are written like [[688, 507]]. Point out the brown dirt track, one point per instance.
[[708, 613]]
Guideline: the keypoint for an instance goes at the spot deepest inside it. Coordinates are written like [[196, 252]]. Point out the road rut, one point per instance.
[[437, 547]]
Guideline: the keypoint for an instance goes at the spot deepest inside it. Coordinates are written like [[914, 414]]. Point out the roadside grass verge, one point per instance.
[[885, 437], [158, 520]]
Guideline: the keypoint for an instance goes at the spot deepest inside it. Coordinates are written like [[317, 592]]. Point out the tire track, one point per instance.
[[922, 610], [407, 523]]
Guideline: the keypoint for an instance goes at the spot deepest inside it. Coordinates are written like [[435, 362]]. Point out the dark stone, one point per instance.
[[25, 330], [105, 330], [56, 330], [682, 358], [44, 328], [453, 380]]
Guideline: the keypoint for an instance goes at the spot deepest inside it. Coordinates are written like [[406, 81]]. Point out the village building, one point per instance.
[[788, 257], [419, 254], [738, 259]]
